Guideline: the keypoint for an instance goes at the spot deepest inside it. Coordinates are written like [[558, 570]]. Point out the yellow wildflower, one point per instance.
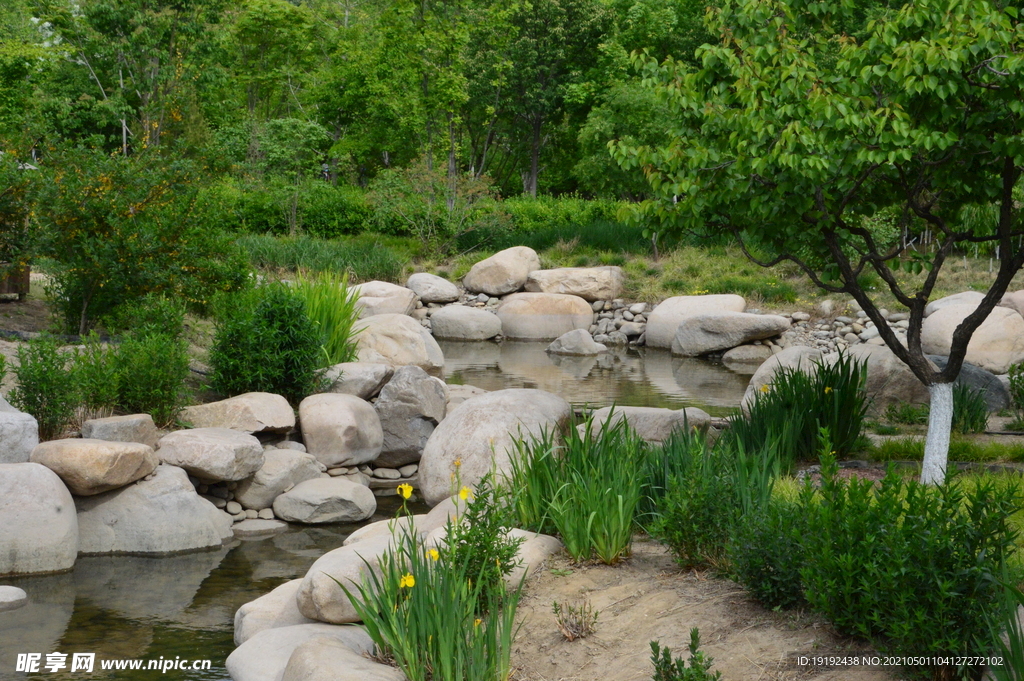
[[477, 621], [765, 388], [828, 389], [464, 493], [405, 490], [458, 462], [433, 554], [407, 581]]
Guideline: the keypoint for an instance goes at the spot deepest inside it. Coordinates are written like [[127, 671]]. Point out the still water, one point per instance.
[[146, 608]]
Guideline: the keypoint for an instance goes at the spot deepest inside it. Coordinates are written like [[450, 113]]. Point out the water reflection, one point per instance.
[[635, 377]]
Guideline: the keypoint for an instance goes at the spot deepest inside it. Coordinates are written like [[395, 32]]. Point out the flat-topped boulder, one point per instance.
[[397, 340], [93, 466], [589, 283], [432, 288], [159, 514], [381, 297], [38, 526], [258, 528], [576, 342], [362, 379], [281, 469], [745, 359], [972, 298], [995, 346], [265, 656], [664, 320], [340, 429], [215, 454], [479, 434], [700, 334], [249, 413], [461, 322], [270, 611], [652, 424], [128, 428], [543, 316], [502, 273], [19, 434], [409, 407], [326, 500]]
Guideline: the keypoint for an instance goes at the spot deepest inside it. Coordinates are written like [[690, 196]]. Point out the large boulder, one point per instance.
[[128, 428], [249, 412], [535, 549], [651, 424], [543, 316], [995, 392], [745, 359], [502, 273], [265, 656], [972, 298], [589, 283], [362, 379], [381, 297], [409, 407], [794, 357], [577, 342], [93, 466], [281, 470], [320, 598], [215, 454], [340, 429], [270, 611], [161, 514], [19, 434], [38, 526], [479, 434], [996, 345], [432, 288], [1013, 300], [666, 317], [326, 500], [397, 340], [459, 322], [889, 380], [710, 332], [324, 658]]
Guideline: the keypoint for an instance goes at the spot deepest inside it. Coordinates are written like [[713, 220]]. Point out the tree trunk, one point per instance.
[[531, 180], [936, 445]]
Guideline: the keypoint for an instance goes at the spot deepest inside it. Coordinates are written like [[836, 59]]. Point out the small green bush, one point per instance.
[[912, 568], [667, 668], [332, 307], [97, 376], [46, 388], [327, 212], [265, 342], [149, 315], [151, 369], [766, 554]]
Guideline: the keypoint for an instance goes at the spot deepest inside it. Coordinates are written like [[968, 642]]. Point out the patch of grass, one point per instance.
[[907, 414], [361, 258], [960, 449], [332, 307]]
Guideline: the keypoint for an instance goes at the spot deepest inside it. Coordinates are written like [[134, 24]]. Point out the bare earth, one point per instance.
[[648, 598]]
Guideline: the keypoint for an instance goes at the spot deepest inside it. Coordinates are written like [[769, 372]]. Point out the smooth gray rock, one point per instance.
[[504, 272], [381, 297], [576, 342], [996, 393], [38, 527], [409, 407], [664, 320], [460, 322], [281, 469], [323, 658], [650, 423], [217, 454], [700, 334], [326, 500], [270, 611], [94, 466], [129, 428], [160, 515], [362, 379], [340, 429], [397, 340], [589, 283], [19, 434], [543, 316], [995, 346], [432, 288], [320, 598], [971, 298], [12, 598], [254, 528], [250, 413], [265, 656]]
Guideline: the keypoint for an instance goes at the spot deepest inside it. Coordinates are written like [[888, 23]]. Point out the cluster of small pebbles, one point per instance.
[[619, 322], [842, 331]]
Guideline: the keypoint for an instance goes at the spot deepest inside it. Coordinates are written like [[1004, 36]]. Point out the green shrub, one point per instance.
[[906, 413], [970, 411], [332, 307], [766, 554], [327, 212], [97, 376], [151, 370], [912, 568], [1006, 623], [667, 668], [796, 406], [433, 614], [265, 342], [46, 388], [149, 315], [361, 261]]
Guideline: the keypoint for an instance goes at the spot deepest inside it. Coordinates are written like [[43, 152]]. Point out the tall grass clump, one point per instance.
[[362, 261], [435, 611], [331, 304], [792, 409], [1008, 634], [970, 411], [586, 488]]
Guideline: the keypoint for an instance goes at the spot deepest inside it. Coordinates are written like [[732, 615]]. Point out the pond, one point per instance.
[[133, 607]]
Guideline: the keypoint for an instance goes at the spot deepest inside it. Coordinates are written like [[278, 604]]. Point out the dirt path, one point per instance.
[[648, 598]]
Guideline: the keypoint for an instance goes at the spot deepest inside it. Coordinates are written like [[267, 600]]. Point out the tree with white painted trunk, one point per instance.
[[852, 147]]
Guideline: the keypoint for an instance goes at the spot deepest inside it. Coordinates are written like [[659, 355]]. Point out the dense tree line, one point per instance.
[[525, 93]]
